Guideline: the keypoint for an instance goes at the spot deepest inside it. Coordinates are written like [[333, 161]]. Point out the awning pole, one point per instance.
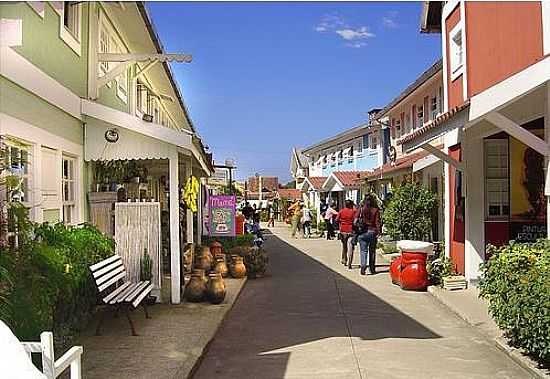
[[175, 270]]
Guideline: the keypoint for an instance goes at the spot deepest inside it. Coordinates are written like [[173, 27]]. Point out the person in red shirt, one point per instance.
[[345, 218]]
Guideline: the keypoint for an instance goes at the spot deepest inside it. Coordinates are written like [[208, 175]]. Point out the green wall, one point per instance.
[[43, 46], [28, 107]]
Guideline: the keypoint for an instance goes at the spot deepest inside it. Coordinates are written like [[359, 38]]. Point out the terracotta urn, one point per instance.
[[238, 269], [196, 288], [203, 262], [220, 266], [205, 250], [215, 293], [216, 248], [200, 272]]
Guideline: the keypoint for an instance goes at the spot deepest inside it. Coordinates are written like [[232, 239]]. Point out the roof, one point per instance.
[[434, 123], [401, 163], [348, 178], [345, 133], [423, 78], [430, 17], [289, 193], [316, 181]]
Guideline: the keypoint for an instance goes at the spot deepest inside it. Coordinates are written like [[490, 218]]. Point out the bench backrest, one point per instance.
[[108, 272]]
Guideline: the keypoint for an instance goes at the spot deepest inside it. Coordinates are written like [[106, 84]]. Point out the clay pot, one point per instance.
[[215, 293], [205, 250], [220, 266], [203, 262], [200, 272], [238, 269], [216, 248], [195, 289]]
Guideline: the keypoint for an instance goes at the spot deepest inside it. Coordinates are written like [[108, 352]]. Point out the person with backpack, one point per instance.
[[368, 226]]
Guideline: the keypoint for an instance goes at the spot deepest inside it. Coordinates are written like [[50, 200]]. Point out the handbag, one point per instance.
[[359, 225]]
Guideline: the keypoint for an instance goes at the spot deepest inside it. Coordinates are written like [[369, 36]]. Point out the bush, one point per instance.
[[515, 281], [439, 267], [51, 288], [255, 260], [408, 215], [230, 242]]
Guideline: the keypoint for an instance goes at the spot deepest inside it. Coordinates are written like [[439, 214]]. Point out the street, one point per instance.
[[311, 317]]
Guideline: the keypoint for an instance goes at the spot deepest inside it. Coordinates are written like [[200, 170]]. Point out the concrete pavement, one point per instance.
[[313, 318]]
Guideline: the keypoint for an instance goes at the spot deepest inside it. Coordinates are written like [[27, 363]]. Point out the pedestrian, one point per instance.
[[368, 226], [306, 221], [345, 218], [295, 215], [330, 214], [270, 216]]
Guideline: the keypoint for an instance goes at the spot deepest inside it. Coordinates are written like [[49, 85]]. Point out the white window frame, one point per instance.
[[373, 141], [420, 115], [70, 204], [112, 44], [122, 79], [38, 6], [26, 174], [434, 108], [499, 179], [456, 51], [71, 38]]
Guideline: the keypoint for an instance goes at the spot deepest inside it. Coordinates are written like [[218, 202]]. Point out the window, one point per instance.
[[456, 51], [397, 128], [359, 148], [103, 48], [71, 18], [496, 179], [68, 185], [407, 127], [420, 115], [373, 141], [141, 97], [433, 108], [17, 164]]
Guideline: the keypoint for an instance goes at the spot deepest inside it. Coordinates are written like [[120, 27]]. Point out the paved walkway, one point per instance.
[[312, 318]]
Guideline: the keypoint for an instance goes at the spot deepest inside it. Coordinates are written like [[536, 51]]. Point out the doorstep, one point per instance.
[[469, 307], [169, 345]]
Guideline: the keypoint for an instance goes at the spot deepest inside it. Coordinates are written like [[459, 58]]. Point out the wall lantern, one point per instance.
[[111, 135]]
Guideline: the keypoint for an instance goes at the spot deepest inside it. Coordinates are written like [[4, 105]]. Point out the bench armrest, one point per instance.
[[71, 358]]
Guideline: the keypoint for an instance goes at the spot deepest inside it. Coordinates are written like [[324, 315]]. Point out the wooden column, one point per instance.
[[175, 269]]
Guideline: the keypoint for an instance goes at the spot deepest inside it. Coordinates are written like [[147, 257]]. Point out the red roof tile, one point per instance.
[[289, 193], [401, 163], [349, 178], [317, 181]]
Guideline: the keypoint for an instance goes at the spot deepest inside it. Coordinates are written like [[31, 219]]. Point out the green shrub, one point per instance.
[[516, 283], [51, 287], [230, 242], [255, 260], [438, 268], [408, 215]]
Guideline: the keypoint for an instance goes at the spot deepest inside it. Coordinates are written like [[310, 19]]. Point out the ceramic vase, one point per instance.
[[215, 292], [196, 288], [216, 248], [220, 266], [238, 269]]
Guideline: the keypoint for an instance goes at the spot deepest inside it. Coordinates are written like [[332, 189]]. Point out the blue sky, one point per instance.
[[269, 76]]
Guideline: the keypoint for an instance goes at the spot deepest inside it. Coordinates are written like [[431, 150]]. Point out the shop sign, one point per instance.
[[221, 215]]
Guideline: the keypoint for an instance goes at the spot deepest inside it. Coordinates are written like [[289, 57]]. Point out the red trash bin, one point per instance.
[[413, 274]]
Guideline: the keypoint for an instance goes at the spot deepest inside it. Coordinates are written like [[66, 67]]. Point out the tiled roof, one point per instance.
[[289, 193], [401, 163], [434, 123], [317, 181], [434, 69], [349, 178]]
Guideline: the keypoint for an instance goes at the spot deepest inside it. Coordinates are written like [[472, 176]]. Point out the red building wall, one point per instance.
[[502, 38], [454, 87]]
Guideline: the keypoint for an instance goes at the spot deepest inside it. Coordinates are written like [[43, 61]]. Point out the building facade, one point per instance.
[[85, 83], [496, 72]]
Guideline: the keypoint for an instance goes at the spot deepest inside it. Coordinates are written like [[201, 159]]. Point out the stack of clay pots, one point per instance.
[[207, 277]]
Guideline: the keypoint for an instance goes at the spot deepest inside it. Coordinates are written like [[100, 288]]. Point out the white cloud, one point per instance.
[[353, 34], [388, 21], [329, 23], [356, 45]]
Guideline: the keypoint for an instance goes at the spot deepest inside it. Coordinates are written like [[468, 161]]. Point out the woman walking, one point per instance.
[[368, 225], [345, 218], [330, 214], [306, 221]]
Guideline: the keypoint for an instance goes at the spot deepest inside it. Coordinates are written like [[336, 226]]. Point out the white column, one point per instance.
[[189, 213], [174, 229], [35, 162]]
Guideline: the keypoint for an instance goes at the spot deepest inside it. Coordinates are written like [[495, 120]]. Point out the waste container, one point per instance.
[[412, 268]]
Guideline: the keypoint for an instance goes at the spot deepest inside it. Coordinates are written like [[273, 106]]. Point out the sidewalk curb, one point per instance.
[[202, 354], [500, 342]]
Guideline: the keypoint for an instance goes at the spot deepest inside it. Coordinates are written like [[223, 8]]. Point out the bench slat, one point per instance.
[[115, 292], [144, 293], [107, 268], [112, 281], [104, 262], [135, 292], [124, 293], [109, 275]]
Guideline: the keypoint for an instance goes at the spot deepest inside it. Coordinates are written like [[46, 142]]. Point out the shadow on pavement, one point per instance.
[[301, 302]]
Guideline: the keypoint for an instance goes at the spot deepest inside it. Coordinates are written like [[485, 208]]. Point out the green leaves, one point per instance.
[[409, 213], [516, 282]]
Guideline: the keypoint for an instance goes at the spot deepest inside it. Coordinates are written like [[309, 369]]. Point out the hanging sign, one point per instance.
[[221, 215]]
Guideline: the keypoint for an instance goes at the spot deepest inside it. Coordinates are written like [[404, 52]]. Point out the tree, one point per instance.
[[409, 213]]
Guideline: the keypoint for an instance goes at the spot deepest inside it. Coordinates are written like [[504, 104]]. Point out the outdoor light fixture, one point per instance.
[[111, 135], [147, 117]]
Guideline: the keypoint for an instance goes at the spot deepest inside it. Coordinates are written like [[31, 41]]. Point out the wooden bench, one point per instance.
[[115, 292]]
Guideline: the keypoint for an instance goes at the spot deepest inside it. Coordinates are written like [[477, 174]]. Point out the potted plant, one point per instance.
[[146, 273]]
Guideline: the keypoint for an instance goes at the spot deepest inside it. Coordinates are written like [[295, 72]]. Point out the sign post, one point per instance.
[[221, 215]]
